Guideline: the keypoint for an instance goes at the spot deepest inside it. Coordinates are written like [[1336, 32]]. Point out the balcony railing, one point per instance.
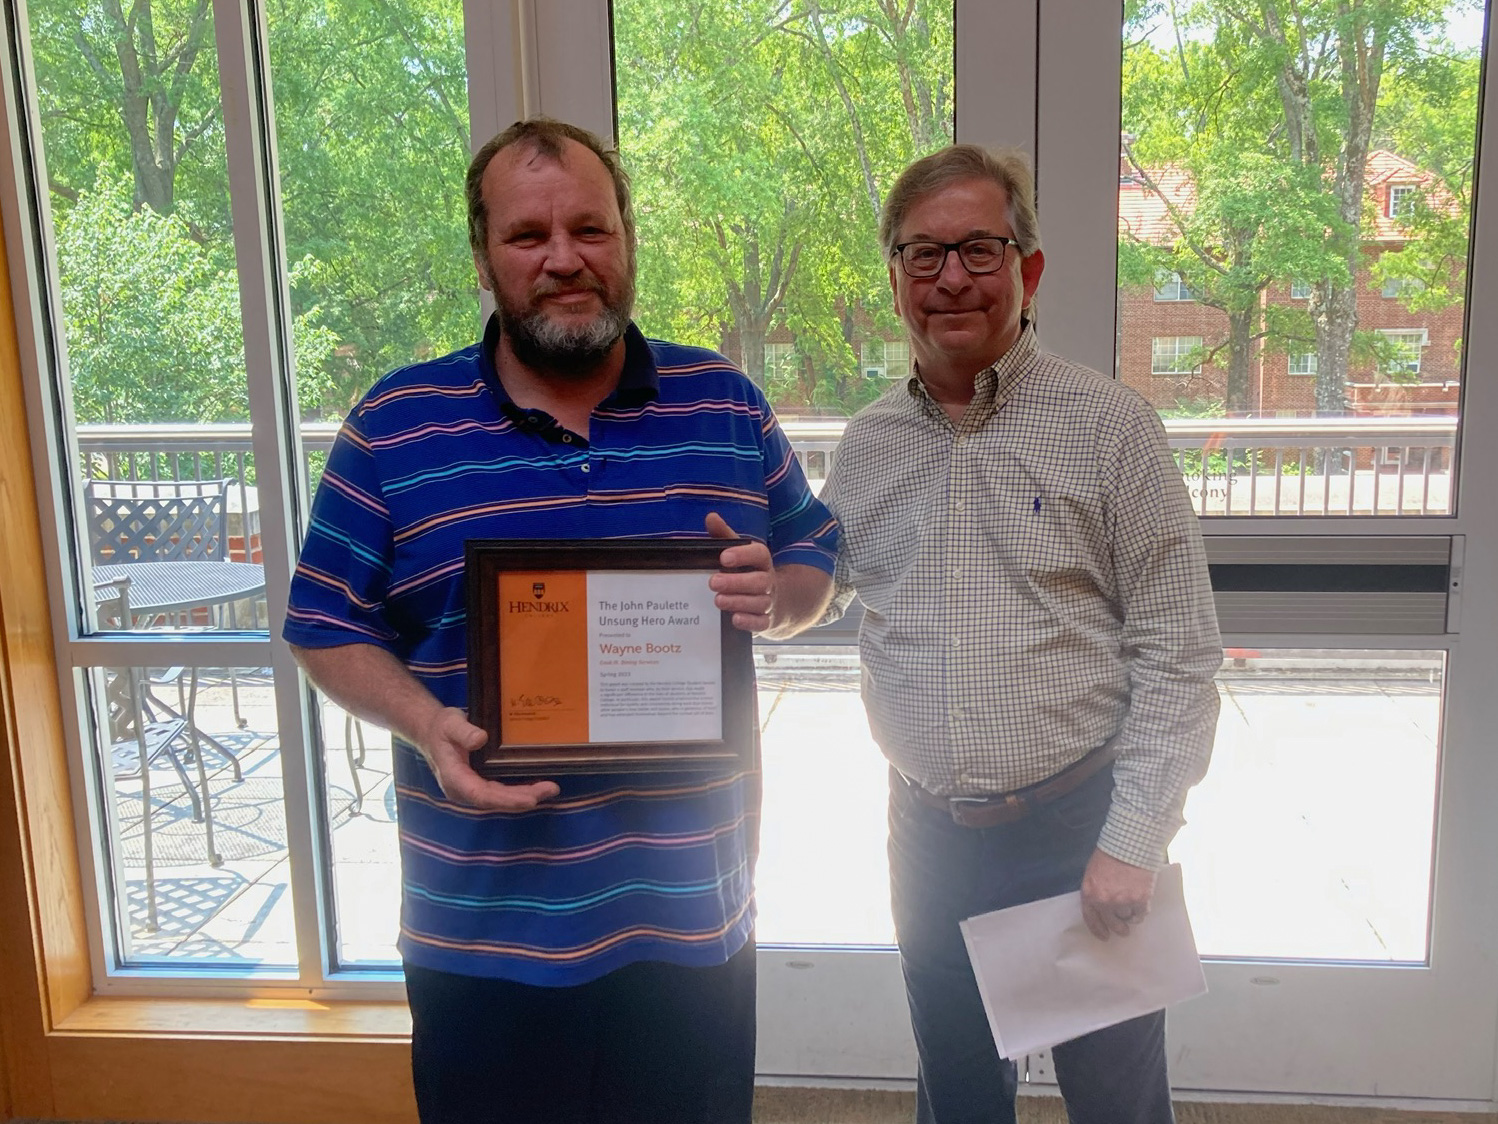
[[1232, 466]]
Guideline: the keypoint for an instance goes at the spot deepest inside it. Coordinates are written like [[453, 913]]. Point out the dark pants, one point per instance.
[[941, 873], [648, 1043]]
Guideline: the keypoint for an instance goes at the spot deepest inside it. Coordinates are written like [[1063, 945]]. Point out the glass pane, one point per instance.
[[1311, 837], [155, 372], [194, 820], [372, 140], [1317, 219], [823, 874], [761, 142], [358, 768]]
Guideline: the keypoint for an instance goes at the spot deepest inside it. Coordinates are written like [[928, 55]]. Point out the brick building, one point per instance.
[[1162, 331]]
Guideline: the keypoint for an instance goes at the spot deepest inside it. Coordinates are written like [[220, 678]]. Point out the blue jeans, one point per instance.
[[941, 873]]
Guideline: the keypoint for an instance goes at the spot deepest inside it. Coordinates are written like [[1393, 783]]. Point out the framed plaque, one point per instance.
[[605, 656]]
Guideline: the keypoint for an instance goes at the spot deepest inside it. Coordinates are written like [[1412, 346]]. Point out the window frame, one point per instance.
[[1176, 352], [1416, 338], [1173, 291]]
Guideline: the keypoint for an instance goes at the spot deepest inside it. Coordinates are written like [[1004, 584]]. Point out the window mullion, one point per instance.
[[264, 300]]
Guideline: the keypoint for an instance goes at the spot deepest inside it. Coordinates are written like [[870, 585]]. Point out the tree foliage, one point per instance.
[[763, 136], [372, 115], [1272, 108]]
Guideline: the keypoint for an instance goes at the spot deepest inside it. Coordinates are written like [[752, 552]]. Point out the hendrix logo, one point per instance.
[[540, 604]]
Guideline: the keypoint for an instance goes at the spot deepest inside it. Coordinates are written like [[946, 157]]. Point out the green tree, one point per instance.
[[373, 143], [762, 136], [1328, 60], [1272, 108], [152, 322], [1238, 215], [133, 91], [1428, 114]]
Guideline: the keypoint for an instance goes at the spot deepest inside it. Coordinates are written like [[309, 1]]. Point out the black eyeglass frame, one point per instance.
[[948, 247]]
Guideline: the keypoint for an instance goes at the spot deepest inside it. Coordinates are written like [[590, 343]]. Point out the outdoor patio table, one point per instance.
[[182, 585]]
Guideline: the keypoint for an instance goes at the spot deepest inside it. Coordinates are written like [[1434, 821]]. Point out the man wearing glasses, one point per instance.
[[1038, 642]]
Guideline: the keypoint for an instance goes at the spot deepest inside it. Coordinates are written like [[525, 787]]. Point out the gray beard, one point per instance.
[[541, 343]]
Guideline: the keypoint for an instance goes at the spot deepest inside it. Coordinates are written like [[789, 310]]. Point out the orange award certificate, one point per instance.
[[543, 656], [605, 654]]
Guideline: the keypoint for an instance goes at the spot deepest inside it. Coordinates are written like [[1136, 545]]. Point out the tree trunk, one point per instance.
[[1240, 361], [148, 92], [752, 349], [1360, 54], [1336, 319]]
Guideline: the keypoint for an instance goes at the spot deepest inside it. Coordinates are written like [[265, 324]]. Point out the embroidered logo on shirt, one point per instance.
[[1036, 508]]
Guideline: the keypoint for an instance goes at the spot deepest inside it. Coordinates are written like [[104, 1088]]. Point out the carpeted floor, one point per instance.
[[777, 1105]]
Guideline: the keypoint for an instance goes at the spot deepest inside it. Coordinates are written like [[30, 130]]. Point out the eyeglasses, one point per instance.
[[978, 255]]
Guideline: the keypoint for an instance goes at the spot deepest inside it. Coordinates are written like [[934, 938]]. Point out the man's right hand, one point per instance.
[[447, 743]]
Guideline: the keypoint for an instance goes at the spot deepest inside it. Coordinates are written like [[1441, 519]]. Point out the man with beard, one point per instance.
[[577, 949]]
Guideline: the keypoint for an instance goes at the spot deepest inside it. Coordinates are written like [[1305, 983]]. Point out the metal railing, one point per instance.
[[1232, 466]]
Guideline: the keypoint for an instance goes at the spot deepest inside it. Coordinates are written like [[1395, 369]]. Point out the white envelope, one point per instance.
[[1046, 979]]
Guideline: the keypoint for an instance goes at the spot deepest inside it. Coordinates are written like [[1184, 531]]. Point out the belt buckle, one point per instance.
[[960, 807]]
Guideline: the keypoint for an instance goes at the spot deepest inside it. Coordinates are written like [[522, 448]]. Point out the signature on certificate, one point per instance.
[[535, 700]]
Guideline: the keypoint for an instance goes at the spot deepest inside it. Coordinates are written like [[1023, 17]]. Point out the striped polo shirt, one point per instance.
[[618, 868]]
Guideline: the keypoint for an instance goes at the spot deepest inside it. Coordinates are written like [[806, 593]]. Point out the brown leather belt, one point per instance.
[[1006, 807]]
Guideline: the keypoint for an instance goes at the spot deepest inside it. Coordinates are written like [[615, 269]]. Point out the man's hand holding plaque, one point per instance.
[[623, 655]]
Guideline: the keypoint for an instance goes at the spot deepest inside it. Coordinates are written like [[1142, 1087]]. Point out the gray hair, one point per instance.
[[1007, 167], [547, 136]]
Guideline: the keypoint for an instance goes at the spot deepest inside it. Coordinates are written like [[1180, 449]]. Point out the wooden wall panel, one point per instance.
[[225, 1081], [44, 972]]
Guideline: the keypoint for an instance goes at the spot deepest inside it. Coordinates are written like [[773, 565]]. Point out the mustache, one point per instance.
[[562, 288]]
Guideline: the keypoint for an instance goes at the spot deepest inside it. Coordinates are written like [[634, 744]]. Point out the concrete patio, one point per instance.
[[1310, 837]]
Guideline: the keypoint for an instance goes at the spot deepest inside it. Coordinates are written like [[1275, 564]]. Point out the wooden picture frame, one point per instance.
[[605, 656]]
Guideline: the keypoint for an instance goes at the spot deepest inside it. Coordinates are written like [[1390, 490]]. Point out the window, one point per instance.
[[1395, 287], [1405, 356], [1176, 355], [1170, 287], [202, 774], [1212, 168], [897, 359], [780, 363], [782, 216]]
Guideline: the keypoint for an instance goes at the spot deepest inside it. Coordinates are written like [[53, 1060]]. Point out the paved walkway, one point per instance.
[[1309, 838]]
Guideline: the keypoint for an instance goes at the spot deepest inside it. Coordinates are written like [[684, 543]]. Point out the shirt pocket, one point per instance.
[[1046, 532]]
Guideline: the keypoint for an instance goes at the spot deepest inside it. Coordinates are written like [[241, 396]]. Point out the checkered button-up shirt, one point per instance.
[[1034, 584]]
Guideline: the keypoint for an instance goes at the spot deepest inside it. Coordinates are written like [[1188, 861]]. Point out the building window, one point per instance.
[[1402, 287], [897, 359], [1170, 287], [1402, 199], [780, 362], [1302, 362], [1407, 344], [1176, 355], [885, 359], [1300, 290]]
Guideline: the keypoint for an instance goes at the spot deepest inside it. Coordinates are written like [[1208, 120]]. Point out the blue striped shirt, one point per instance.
[[618, 868]]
